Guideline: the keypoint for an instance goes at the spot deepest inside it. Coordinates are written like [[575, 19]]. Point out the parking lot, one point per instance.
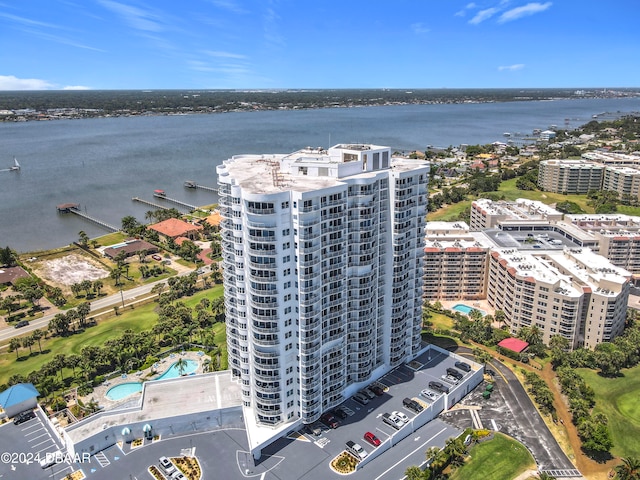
[[299, 454], [22, 446]]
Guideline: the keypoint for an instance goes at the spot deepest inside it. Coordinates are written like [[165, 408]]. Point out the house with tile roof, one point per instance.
[[174, 228]]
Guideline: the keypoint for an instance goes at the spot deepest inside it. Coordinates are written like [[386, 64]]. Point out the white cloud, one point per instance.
[[483, 15], [219, 54], [135, 17], [463, 12], [229, 5], [9, 82], [76, 87], [419, 28], [511, 68], [524, 11]]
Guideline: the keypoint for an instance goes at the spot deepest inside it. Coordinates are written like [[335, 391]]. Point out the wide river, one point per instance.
[[102, 163]]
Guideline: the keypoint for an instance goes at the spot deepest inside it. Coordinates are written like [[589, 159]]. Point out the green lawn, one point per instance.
[[618, 398], [139, 319], [508, 188], [441, 321], [501, 458]]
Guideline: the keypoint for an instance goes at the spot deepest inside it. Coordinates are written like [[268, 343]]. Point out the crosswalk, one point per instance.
[[567, 473], [102, 459]]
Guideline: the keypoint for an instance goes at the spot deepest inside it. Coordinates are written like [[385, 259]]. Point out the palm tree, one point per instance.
[[181, 365], [14, 346], [28, 342], [38, 335], [629, 469]]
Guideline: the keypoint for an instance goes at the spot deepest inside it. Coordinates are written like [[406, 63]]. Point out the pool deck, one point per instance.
[[479, 304], [99, 393]]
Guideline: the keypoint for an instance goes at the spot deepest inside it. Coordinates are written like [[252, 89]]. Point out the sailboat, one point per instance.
[[16, 165]]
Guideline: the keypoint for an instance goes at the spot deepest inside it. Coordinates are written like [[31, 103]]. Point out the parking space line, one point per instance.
[[46, 448], [35, 431], [27, 427], [39, 436], [409, 454], [38, 444]]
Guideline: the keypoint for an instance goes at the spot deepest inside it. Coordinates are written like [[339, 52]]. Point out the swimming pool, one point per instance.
[[118, 392], [173, 371], [466, 309], [123, 390]]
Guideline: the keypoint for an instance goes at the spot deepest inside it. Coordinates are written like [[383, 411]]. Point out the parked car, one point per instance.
[[329, 420], [178, 475], [368, 393], [167, 466], [401, 416], [430, 394], [23, 417], [411, 404], [376, 389], [372, 439], [392, 420], [340, 413], [449, 379], [313, 429], [357, 450], [438, 387], [156, 257], [464, 366], [455, 373], [361, 398], [21, 323]]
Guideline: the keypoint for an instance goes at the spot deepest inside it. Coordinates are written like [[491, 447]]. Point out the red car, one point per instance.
[[329, 420], [372, 439]]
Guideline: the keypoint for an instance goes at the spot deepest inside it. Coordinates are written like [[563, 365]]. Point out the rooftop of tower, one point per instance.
[[311, 168]]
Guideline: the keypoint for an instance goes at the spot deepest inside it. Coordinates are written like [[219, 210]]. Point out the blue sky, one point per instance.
[[243, 44]]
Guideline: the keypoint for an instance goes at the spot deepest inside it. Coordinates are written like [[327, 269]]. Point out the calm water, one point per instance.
[[102, 163]]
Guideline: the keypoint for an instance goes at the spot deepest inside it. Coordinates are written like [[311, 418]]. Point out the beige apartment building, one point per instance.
[[456, 262], [624, 180], [570, 176], [487, 213], [574, 293]]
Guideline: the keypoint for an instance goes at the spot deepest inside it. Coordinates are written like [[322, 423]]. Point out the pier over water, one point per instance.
[[75, 209]]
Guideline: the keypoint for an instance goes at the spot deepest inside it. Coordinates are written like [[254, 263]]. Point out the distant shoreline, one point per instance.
[[68, 105]]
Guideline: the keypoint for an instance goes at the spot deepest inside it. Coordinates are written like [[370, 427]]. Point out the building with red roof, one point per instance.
[[514, 344], [174, 228]]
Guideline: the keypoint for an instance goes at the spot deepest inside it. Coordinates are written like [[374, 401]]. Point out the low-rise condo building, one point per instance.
[[570, 176], [574, 293]]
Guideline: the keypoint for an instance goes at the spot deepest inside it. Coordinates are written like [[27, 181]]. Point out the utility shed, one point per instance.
[[18, 398]]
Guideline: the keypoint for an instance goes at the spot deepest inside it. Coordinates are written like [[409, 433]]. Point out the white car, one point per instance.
[[401, 416], [392, 420], [167, 466], [357, 450], [431, 395]]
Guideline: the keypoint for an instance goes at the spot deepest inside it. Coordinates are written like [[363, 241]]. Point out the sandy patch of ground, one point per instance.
[[71, 269]]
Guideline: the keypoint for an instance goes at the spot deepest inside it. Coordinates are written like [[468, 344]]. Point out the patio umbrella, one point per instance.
[[146, 428], [126, 431]]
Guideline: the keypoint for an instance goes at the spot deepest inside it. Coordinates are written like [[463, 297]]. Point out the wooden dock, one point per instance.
[[151, 204], [173, 200], [192, 184], [75, 209]]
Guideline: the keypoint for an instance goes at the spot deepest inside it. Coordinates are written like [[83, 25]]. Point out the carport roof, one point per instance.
[[17, 394], [513, 344]]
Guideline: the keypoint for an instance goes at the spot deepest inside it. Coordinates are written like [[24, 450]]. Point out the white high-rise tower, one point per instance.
[[322, 263]]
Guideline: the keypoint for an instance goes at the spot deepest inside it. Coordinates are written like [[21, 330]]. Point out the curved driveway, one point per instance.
[[511, 411]]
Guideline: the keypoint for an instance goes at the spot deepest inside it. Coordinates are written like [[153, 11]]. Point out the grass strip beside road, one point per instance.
[[139, 319], [500, 458]]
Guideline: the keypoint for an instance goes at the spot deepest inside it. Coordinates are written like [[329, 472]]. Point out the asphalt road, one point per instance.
[[511, 411], [124, 297]]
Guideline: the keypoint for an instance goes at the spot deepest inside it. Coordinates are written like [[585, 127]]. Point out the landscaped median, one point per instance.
[[344, 464]]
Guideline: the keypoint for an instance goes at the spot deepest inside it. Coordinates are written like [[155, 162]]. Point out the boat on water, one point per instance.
[[14, 168]]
